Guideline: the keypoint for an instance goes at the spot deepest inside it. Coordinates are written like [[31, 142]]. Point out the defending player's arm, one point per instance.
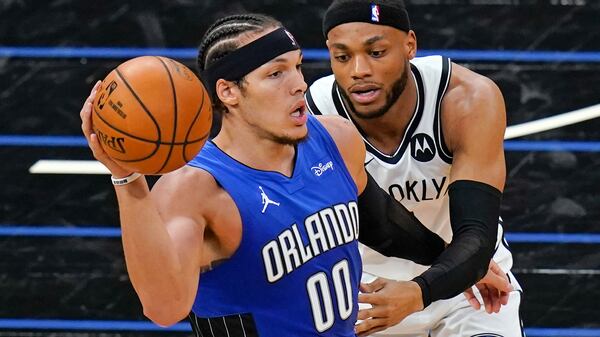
[[386, 225], [392, 230], [473, 116]]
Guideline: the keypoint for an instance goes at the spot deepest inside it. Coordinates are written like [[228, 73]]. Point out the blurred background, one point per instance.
[[62, 269]]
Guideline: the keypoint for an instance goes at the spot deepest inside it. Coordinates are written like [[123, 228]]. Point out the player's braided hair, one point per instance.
[[223, 37]]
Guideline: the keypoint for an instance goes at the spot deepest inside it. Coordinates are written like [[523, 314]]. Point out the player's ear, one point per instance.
[[411, 44], [226, 92]]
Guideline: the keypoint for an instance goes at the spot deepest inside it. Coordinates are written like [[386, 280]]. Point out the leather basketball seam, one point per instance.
[[97, 113], [157, 144], [174, 114]]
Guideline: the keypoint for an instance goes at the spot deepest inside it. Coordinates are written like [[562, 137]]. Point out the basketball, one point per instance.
[[152, 115]]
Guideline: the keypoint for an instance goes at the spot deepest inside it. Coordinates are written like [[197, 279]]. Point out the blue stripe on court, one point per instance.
[[309, 54], [105, 232], [97, 232], [21, 140], [514, 55], [524, 145], [111, 325], [60, 324], [583, 238], [509, 145], [96, 52], [567, 332]]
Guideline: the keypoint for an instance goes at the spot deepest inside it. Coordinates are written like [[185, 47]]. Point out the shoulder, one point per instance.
[[189, 191], [184, 180], [193, 193], [341, 130], [468, 90], [472, 101], [347, 139]]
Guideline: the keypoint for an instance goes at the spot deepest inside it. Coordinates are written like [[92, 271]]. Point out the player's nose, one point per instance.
[[360, 67], [298, 84]]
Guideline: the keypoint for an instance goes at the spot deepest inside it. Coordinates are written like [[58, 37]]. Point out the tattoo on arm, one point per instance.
[[211, 265]]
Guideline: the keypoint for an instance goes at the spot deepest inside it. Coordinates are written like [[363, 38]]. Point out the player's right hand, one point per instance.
[[92, 139], [494, 289], [386, 303]]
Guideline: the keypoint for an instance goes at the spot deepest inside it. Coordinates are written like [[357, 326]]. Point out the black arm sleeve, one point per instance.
[[389, 228], [474, 212]]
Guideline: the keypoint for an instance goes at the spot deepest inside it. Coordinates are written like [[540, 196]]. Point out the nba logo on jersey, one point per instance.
[[374, 13], [291, 37]]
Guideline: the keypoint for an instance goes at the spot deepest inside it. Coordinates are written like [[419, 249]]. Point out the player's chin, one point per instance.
[[299, 134], [369, 111], [292, 136]]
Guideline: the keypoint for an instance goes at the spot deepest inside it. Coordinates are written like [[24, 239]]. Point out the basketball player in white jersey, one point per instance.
[[434, 136]]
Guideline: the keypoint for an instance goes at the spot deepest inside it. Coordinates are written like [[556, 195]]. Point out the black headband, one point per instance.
[[244, 60], [365, 11]]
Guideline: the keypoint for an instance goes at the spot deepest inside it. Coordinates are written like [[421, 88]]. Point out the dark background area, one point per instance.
[[74, 278]]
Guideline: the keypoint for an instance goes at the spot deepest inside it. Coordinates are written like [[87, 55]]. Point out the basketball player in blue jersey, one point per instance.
[[257, 236], [434, 137]]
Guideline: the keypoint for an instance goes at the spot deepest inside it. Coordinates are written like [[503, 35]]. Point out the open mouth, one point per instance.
[[364, 93], [298, 112], [365, 96], [298, 115], [299, 109]]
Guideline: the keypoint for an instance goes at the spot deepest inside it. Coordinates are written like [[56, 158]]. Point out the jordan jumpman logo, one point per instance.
[[265, 200]]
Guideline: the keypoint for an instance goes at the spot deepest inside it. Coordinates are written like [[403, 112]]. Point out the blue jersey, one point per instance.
[[297, 269]]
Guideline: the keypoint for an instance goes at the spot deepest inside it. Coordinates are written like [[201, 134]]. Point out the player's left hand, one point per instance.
[[93, 142], [391, 302], [494, 288]]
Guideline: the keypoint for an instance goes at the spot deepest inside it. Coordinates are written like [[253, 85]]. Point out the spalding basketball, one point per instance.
[[152, 115]]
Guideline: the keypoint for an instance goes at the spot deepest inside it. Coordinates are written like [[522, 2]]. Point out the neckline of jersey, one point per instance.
[[267, 173]]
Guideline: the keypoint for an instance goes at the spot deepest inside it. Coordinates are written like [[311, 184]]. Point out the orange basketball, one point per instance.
[[152, 115]]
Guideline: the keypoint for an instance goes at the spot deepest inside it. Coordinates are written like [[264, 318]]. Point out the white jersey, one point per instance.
[[417, 174]]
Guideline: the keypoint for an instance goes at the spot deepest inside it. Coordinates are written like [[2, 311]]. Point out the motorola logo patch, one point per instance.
[[422, 147]]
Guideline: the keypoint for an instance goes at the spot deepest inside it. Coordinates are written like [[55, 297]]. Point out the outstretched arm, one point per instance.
[[393, 300], [388, 227]]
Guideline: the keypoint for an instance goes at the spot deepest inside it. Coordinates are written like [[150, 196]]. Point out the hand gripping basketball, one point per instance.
[[151, 115], [86, 126]]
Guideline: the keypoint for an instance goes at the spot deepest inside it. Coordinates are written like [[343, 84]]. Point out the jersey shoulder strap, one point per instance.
[[319, 97]]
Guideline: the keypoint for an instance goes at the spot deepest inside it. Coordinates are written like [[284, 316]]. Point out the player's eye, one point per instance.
[[377, 53], [342, 58], [275, 74]]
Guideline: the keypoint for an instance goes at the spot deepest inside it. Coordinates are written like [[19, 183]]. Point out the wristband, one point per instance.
[[125, 180]]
